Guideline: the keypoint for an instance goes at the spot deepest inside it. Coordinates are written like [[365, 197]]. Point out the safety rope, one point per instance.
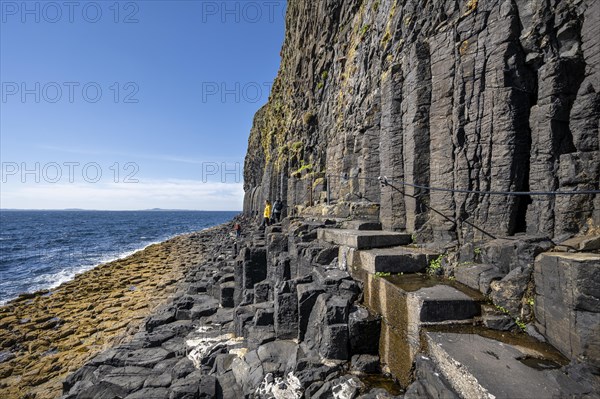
[[385, 179]]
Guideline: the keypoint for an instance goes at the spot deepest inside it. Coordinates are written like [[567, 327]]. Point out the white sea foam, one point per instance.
[[345, 389], [280, 388], [50, 281], [203, 345]]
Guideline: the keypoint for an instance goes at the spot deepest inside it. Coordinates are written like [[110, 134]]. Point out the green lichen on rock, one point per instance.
[[303, 166], [297, 147], [364, 30], [309, 118], [471, 6]]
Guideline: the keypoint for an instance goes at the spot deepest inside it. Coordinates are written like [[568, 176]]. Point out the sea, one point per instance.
[[40, 250]]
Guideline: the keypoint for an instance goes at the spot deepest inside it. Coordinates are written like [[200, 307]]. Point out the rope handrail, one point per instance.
[[384, 180]]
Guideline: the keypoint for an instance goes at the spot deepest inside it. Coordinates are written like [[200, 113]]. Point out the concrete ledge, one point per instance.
[[406, 313], [396, 260], [363, 239], [478, 367], [362, 225], [441, 303]]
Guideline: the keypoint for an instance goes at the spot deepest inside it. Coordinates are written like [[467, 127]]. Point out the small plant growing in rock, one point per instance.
[[435, 266], [309, 118], [303, 166], [521, 324], [501, 309], [383, 274], [297, 146], [477, 251], [386, 38], [531, 302]]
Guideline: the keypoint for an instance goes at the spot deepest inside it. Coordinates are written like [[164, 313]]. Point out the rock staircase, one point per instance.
[[407, 302], [428, 318]]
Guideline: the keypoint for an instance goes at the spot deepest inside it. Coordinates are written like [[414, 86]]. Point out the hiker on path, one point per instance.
[[277, 208], [267, 213], [237, 227]]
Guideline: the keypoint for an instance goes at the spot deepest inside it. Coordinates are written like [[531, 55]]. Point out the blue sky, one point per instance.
[[132, 104]]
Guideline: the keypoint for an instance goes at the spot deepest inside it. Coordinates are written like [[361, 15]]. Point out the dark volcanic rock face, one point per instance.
[[489, 95]]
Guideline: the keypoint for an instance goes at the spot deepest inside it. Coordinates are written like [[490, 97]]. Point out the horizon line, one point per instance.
[[116, 210]]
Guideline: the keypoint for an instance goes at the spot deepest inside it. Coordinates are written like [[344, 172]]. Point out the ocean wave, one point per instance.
[[53, 248], [52, 280]]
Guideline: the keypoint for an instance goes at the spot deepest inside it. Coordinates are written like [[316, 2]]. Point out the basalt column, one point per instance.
[[393, 211], [580, 170], [441, 145], [415, 125]]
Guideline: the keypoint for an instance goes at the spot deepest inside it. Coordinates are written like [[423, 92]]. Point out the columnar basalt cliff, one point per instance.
[[480, 95]]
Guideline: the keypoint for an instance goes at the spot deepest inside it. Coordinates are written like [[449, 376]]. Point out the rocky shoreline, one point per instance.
[[295, 311], [238, 328], [47, 335]]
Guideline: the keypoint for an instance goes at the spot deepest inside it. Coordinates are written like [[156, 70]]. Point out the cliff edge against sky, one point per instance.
[[475, 95]]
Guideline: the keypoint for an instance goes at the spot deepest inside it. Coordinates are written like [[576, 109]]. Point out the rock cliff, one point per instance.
[[478, 95]]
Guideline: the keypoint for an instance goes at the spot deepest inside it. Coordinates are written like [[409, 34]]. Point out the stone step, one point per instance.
[[362, 225], [478, 367], [494, 319], [408, 304], [396, 260], [441, 304], [363, 239]]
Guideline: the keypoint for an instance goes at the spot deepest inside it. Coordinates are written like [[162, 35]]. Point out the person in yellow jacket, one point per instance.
[[267, 213]]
